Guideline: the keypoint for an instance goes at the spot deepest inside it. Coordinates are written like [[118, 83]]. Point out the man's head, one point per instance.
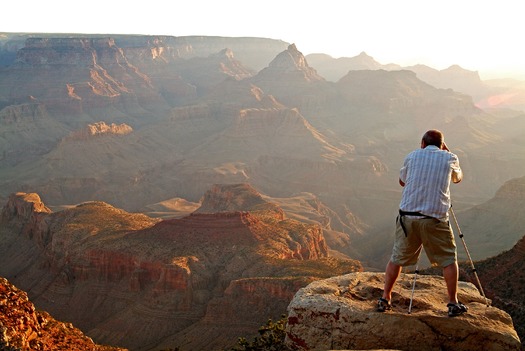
[[432, 137]]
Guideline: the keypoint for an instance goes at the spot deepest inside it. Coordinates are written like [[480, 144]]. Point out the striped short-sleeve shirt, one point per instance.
[[427, 174]]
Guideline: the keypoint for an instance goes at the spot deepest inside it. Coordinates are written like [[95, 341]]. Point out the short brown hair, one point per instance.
[[433, 137]]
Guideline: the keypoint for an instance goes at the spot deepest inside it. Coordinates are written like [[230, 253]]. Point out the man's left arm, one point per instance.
[[457, 173]]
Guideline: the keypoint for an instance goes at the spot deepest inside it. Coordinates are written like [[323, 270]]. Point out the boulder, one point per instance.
[[340, 313]]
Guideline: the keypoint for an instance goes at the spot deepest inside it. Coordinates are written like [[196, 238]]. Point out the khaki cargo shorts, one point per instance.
[[434, 235]]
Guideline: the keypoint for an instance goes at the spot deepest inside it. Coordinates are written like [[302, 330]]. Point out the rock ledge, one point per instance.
[[339, 313]]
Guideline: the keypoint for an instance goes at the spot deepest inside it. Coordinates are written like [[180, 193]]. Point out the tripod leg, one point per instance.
[[460, 234], [413, 288]]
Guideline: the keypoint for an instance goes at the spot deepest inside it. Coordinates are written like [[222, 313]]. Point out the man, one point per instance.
[[423, 217]]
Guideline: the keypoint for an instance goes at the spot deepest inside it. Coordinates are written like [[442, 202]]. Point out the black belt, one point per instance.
[[410, 213]]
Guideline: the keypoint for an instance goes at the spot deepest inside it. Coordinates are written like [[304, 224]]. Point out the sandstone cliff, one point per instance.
[[235, 197], [99, 129], [334, 69], [80, 73], [497, 224], [290, 64], [289, 78], [503, 278], [201, 116], [339, 314], [112, 273], [497, 93], [147, 82], [24, 328]]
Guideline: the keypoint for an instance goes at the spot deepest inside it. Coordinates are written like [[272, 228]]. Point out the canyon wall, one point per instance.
[[113, 273]]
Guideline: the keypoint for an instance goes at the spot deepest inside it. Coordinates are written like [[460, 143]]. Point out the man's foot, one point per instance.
[[383, 305], [455, 309]]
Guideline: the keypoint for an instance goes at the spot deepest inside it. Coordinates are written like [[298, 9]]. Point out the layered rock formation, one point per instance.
[[201, 116], [339, 314], [289, 78], [99, 129], [290, 64], [496, 93], [235, 197], [24, 328], [503, 280], [334, 69], [177, 276], [496, 225], [80, 72]]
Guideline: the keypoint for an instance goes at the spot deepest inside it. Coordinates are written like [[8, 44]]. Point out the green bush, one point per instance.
[[271, 338]]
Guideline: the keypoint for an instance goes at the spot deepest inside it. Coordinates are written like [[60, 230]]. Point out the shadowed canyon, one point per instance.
[[178, 191]]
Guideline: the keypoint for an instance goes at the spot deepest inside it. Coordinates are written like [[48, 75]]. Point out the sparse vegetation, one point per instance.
[[271, 338]]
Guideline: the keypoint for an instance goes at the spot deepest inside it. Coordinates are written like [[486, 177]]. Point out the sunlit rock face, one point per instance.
[[25, 328], [99, 129], [80, 73], [284, 110], [339, 314], [175, 274], [207, 111]]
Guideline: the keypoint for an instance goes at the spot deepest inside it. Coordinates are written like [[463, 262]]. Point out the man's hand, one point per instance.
[[444, 147]]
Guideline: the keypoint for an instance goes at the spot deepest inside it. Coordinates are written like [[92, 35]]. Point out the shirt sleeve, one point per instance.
[[457, 173], [403, 170]]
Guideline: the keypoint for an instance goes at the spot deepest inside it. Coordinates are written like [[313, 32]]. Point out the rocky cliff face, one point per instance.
[[27, 213], [201, 116], [236, 197], [171, 274], [255, 52], [496, 225], [289, 77], [290, 63], [503, 279], [24, 328], [99, 129], [334, 69], [514, 189], [78, 75], [339, 314]]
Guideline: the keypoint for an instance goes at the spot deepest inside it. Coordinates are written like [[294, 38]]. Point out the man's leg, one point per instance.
[[451, 275], [392, 272]]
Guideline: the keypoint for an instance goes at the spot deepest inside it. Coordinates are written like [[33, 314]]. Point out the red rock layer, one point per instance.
[[24, 328]]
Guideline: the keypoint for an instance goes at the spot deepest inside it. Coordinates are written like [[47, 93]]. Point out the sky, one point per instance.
[[484, 36]]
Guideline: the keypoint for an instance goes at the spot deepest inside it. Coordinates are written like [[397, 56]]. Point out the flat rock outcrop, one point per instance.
[[339, 313], [235, 197]]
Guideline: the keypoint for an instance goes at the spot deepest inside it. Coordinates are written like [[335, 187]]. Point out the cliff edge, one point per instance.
[[340, 313], [24, 328]]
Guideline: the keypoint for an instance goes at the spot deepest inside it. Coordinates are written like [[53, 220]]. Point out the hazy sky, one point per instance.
[[479, 35]]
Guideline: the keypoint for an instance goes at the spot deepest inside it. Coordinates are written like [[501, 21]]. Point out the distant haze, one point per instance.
[[478, 36]]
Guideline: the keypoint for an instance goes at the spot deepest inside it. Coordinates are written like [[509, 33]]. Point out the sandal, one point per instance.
[[383, 305], [455, 309]]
